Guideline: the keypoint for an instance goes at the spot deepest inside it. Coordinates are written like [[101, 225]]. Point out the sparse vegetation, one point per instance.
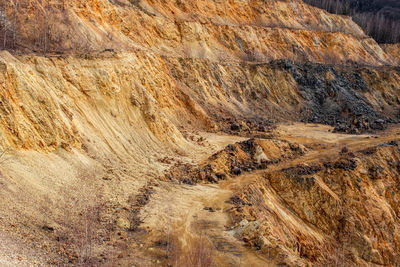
[[198, 252], [378, 18], [166, 148], [82, 225]]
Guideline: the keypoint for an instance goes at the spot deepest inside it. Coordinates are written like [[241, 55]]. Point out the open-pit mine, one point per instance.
[[196, 133]]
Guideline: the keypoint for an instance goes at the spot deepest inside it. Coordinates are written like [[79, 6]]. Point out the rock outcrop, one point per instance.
[[121, 113]]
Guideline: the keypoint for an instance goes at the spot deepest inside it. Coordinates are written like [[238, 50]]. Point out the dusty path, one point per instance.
[[316, 135], [183, 210], [180, 210]]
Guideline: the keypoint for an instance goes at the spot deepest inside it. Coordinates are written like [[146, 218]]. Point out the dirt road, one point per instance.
[[184, 211]]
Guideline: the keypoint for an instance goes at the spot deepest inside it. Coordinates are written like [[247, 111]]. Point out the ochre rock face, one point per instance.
[[266, 128], [47, 101], [216, 30], [347, 206]]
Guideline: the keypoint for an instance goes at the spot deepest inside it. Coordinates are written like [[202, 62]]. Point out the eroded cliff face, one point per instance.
[[146, 95], [337, 210], [216, 30], [53, 102]]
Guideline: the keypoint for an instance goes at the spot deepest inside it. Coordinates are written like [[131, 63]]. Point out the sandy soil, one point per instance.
[[182, 207], [15, 252], [183, 210]]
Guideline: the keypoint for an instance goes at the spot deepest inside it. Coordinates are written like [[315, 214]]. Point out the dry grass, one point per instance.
[[198, 252], [81, 221]]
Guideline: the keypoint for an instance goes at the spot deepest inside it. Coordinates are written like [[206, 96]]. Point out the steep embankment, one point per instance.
[[219, 31], [53, 102], [117, 121], [337, 202], [91, 135]]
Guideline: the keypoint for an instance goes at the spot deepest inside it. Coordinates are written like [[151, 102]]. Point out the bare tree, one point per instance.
[[46, 17], [82, 223], [34, 23], [1, 16], [200, 253], [169, 230], [5, 24], [378, 24], [15, 23]]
